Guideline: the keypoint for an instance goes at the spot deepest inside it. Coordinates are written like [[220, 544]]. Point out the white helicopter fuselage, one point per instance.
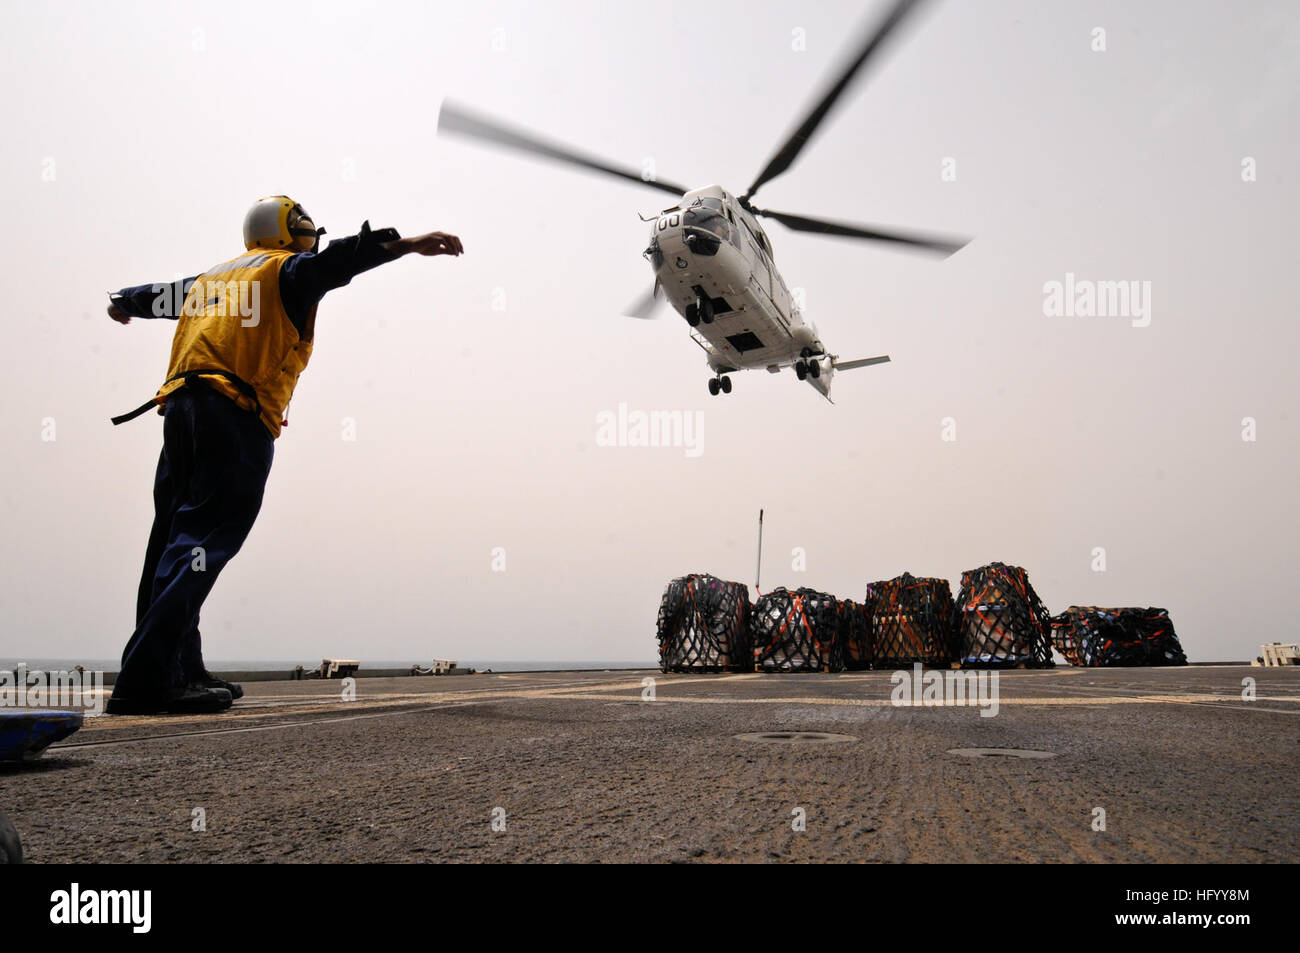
[[713, 262], [712, 259]]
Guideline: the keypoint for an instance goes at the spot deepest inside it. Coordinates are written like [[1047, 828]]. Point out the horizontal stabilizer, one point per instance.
[[863, 362]]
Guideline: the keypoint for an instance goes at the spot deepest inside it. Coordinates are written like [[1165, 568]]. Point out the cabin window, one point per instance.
[[759, 239]]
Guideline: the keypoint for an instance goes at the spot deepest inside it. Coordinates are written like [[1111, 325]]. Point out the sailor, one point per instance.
[[245, 331]]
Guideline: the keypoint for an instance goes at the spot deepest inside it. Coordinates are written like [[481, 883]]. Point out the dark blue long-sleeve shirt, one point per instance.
[[304, 280]]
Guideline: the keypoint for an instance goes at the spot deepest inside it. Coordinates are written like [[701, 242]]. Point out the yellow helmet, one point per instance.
[[277, 221]]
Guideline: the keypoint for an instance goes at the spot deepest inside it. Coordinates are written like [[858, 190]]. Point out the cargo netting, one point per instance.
[[911, 621], [855, 634], [1123, 637], [1000, 621], [796, 632], [1063, 637], [703, 625]]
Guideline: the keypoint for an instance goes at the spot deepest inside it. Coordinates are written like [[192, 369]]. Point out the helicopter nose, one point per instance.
[[673, 234], [669, 239], [669, 224]]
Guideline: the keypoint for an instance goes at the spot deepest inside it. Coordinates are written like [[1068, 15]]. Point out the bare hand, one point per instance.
[[434, 243], [118, 315]]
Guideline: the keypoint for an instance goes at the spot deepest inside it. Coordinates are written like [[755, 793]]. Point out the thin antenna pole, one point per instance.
[[758, 571]]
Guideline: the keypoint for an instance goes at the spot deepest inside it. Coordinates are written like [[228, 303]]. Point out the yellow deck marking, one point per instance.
[[585, 690]]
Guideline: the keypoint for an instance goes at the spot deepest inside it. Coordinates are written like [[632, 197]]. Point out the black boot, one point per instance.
[[208, 680], [190, 700]]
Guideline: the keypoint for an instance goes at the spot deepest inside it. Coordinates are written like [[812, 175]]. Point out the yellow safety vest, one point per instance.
[[234, 334]]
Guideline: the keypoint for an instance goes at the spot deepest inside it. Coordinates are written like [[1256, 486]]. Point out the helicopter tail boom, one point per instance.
[[822, 382], [861, 362]]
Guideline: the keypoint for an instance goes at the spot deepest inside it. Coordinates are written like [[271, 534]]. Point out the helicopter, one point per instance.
[[712, 260]]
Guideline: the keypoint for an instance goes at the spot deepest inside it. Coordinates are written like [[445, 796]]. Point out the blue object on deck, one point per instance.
[[24, 735]]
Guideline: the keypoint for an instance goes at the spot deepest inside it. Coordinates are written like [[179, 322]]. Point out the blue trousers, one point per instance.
[[207, 493]]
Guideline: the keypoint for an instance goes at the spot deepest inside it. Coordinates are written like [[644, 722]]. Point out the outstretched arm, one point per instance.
[[149, 301], [305, 278], [431, 243]]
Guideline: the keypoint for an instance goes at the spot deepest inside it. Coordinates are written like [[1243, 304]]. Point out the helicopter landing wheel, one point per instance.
[[800, 370], [814, 369], [705, 308], [714, 386], [726, 385], [693, 315]]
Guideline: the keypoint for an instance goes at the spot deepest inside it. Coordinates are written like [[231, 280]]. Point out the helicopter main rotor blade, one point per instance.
[[644, 306], [452, 118], [801, 223], [786, 155]]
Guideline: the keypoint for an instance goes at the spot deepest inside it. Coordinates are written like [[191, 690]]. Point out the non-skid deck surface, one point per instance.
[[582, 766]]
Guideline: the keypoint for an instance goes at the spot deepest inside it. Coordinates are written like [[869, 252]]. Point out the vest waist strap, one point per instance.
[[190, 377]]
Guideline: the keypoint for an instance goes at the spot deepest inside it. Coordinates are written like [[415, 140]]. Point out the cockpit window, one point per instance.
[[706, 227]]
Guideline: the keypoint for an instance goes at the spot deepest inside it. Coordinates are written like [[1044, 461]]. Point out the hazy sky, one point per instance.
[[138, 134]]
